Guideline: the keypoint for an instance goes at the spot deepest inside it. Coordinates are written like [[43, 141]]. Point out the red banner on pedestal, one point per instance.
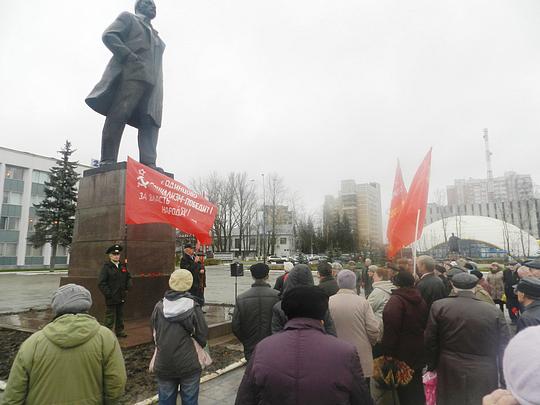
[[152, 197]]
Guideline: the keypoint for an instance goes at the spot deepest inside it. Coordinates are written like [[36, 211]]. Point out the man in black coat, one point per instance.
[[528, 295], [326, 281], [510, 280], [252, 316], [131, 89], [190, 261], [114, 281], [430, 286]]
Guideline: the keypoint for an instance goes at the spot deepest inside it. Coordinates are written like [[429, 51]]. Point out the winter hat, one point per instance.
[[454, 271], [181, 280], [530, 286], [404, 279], [299, 275], [346, 279], [478, 274], [521, 366], [259, 270], [464, 281], [287, 266], [324, 269], [305, 302], [71, 299]]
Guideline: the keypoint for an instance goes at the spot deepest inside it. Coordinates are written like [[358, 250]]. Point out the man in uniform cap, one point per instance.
[[114, 281], [528, 293], [190, 261], [466, 369], [534, 267], [252, 318]]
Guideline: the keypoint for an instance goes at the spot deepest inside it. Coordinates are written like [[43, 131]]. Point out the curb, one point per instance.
[[206, 378]]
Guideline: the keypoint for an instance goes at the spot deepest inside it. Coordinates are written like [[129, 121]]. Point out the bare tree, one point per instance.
[[244, 204], [440, 201], [276, 192]]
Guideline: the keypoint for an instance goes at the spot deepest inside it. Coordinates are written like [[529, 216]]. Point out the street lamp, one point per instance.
[[264, 219]]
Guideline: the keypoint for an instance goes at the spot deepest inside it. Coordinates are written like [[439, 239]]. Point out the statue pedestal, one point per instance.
[[100, 223]]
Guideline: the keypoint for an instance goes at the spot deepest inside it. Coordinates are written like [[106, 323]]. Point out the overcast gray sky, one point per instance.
[[317, 91]]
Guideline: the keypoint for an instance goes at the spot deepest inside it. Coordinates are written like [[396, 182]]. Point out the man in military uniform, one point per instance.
[[114, 281], [190, 261]]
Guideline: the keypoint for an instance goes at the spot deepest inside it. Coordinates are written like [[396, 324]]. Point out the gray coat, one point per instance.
[[137, 55], [176, 319], [253, 315], [465, 340]]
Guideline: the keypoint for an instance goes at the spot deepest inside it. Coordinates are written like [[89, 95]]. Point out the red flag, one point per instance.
[[404, 230], [152, 197], [399, 195]]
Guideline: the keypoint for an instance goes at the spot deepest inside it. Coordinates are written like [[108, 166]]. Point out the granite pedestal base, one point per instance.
[[100, 223]]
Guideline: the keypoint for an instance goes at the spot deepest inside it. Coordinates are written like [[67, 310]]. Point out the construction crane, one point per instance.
[[490, 191]]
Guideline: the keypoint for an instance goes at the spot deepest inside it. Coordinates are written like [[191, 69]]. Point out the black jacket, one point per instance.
[[175, 320], [329, 285], [431, 288], [187, 262], [114, 282], [252, 316], [529, 317]]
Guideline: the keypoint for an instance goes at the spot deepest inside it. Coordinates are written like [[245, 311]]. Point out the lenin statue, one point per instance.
[[131, 89], [453, 244]]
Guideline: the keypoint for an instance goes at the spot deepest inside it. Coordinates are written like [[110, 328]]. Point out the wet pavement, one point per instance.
[[221, 390], [22, 292]]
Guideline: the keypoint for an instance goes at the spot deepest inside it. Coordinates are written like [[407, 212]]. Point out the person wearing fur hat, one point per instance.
[[466, 370], [300, 275], [114, 282], [72, 360], [252, 317], [303, 364], [521, 365], [176, 319]]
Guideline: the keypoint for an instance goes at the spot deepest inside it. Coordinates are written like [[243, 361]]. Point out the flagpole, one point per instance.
[[415, 240]]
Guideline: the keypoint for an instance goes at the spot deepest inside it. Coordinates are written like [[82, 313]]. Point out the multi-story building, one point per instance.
[[361, 204], [524, 214], [22, 179], [510, 187]]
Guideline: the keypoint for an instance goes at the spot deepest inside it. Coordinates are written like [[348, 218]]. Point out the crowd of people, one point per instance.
[[363, 334], [438, 317]]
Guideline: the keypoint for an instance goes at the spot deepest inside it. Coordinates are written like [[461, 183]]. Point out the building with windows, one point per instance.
[[22, 181], [524, 214], [361, 204], [510, 187]]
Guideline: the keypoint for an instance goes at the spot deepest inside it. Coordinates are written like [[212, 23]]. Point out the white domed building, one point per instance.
[[481, 237]]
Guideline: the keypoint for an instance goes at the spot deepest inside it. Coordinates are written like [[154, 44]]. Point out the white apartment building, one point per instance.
[[22, 179]]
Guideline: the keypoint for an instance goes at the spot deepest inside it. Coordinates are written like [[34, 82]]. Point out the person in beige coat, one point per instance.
[[354, 320]]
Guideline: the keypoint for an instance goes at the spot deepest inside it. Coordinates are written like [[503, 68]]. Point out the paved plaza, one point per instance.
[[23, 291]]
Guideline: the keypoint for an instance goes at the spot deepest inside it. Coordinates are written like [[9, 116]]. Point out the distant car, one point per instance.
[[276, 259]]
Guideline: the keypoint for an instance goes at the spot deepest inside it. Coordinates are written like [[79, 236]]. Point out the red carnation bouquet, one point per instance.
[[390, 373]]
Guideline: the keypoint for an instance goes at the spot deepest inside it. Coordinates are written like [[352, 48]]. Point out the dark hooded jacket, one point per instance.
[[329, 285], [303, 365], [465, 337], [404, 318], [176, 319], [299, 275], [253, 315]]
